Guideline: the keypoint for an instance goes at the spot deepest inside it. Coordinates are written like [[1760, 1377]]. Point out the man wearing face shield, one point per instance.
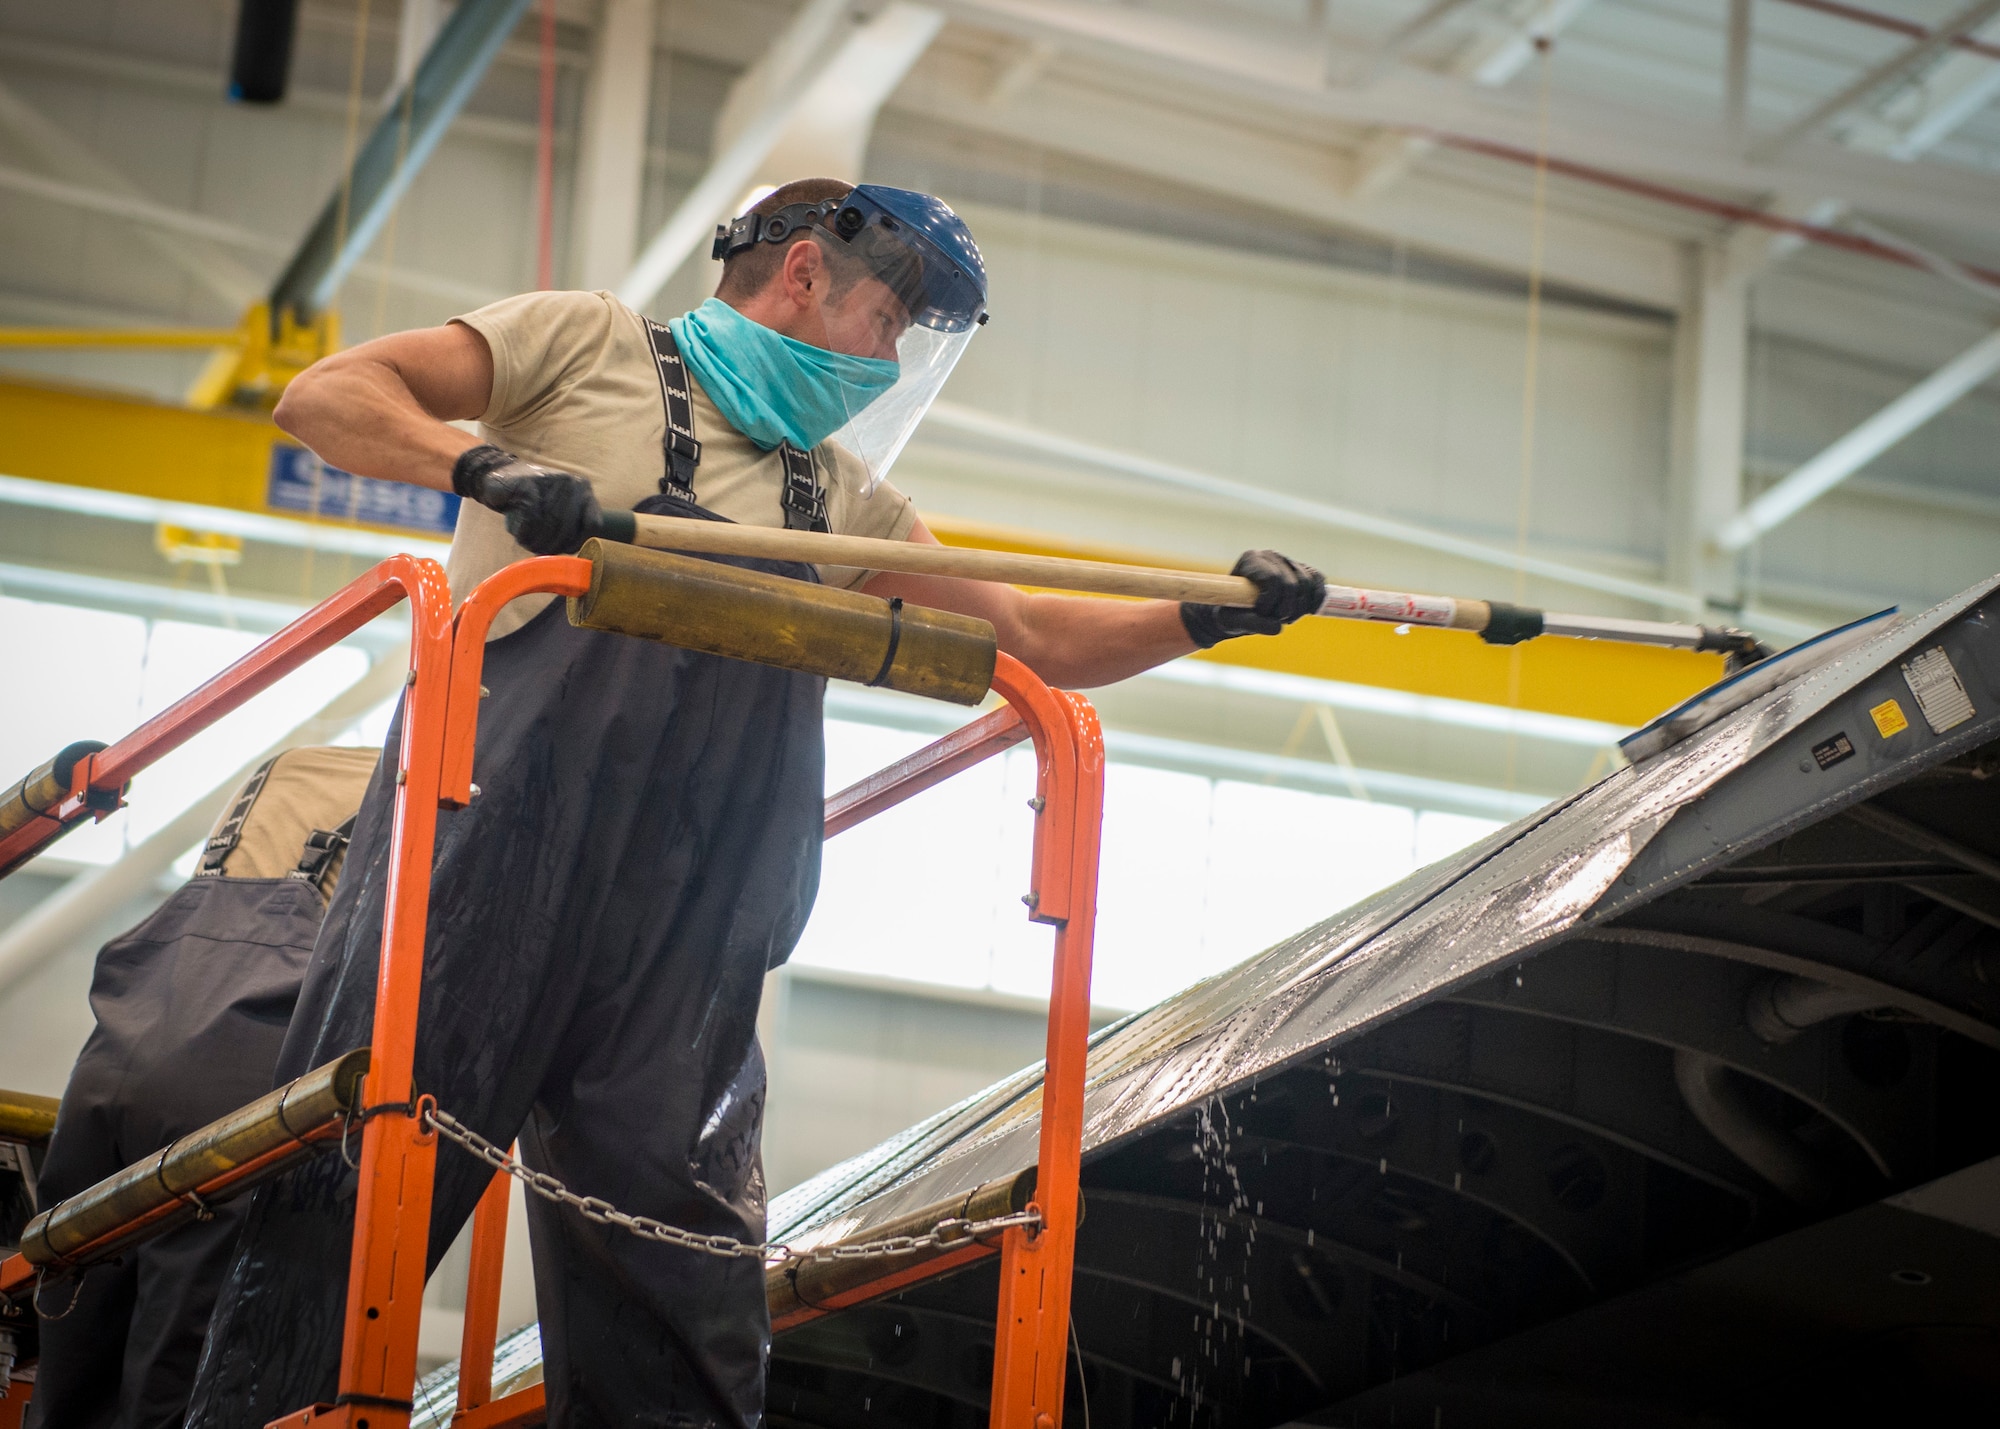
[[646, 843]]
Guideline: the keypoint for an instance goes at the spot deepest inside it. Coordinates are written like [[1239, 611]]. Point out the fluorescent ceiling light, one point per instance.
[[1415, 791], [155, 601], [1401, 704], [1213, 761], [251, 525]]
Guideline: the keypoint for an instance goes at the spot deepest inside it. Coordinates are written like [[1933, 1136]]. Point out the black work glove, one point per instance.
[[549, 512], [1286, 590]]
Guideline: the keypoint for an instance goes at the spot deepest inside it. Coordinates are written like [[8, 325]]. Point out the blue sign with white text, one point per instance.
[[302, 482]]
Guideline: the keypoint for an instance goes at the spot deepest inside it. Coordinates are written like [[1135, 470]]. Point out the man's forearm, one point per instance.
[[1081, 642]]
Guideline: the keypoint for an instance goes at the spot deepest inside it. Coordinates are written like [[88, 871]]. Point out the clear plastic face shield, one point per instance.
[[905, 285]]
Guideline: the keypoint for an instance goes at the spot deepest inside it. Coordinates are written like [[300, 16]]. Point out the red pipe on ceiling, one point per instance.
[[1699, 203], [1877, 20]]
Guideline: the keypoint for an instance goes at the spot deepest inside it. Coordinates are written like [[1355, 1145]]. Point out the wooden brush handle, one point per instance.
[[725, 538]]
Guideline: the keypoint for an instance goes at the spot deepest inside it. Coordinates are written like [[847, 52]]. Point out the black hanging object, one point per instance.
[[263, 55]]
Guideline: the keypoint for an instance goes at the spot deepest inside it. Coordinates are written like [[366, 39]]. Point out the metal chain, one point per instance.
[[951, 1231]]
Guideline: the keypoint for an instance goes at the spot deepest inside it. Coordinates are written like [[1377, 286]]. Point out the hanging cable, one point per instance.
[[1538, 213], [357, 66], [1537, 225], [545, 157], [404, 105], [356, 70]]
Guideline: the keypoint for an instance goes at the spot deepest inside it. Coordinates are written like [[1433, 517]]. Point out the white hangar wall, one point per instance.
[[1383, 394]]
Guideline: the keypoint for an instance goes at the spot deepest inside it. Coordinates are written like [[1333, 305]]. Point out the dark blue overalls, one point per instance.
[[191, 1007], [645, 848]]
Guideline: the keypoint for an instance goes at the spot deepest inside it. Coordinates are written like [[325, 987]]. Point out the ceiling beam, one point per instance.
[[611, 159], [1492, 62], [1498, 61], [1291, 172], [1890, 70], [389, 160], [146, 214], [829, 131], [759, 107], [196, 84], [1982, 281], [808, 106], [1264, 77], [1895, 24], [1736, 70], [1807, 483], [1415, 28], [1909, 124], [1278, 168], [67, 160]]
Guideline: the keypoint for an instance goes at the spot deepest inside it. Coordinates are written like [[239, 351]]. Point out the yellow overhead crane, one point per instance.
[[250, 363]]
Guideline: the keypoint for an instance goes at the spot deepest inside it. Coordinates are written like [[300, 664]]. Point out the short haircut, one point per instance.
[[747, 273]]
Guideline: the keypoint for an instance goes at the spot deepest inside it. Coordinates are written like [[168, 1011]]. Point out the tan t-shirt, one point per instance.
[[575, 389], [307, 789]]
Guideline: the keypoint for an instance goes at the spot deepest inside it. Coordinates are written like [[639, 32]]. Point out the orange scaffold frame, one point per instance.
[[398, 1153]]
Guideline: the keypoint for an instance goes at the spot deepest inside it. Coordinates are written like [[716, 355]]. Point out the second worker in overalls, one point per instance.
[[646, 843]]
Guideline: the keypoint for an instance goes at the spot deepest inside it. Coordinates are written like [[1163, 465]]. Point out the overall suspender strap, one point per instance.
[[804, 499], [220, 844], [683, 449], [320, 847]]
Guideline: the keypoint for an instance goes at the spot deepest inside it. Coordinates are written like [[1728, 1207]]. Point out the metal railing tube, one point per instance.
[[92, 1225], [26, 1118], [37, 794], [793, 624], [800, 1289]]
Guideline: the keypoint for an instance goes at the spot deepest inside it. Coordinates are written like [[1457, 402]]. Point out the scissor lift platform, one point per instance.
[[398, 1149]]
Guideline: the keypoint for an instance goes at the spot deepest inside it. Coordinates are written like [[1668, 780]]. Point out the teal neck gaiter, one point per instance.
[[773, 388]]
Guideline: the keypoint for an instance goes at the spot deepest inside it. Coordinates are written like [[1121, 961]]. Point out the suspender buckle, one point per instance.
[[320, 847], [804, 500]]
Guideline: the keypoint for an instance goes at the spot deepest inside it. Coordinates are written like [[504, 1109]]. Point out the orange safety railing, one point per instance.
[[1032, 1318], [398, 1153], [379, 1346], [99, 779]]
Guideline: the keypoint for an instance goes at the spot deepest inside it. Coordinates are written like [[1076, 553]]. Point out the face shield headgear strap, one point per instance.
[[754, 228], [922, 252]]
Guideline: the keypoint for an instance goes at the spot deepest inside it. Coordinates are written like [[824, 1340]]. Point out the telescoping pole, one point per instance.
[[1496, 622]]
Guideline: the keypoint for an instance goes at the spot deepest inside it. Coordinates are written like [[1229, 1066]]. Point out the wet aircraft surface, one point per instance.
[[1671, 1104]]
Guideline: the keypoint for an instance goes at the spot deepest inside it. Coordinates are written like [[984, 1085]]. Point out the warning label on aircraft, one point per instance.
[[1829, 752], [303, 483], [1940, 693]]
